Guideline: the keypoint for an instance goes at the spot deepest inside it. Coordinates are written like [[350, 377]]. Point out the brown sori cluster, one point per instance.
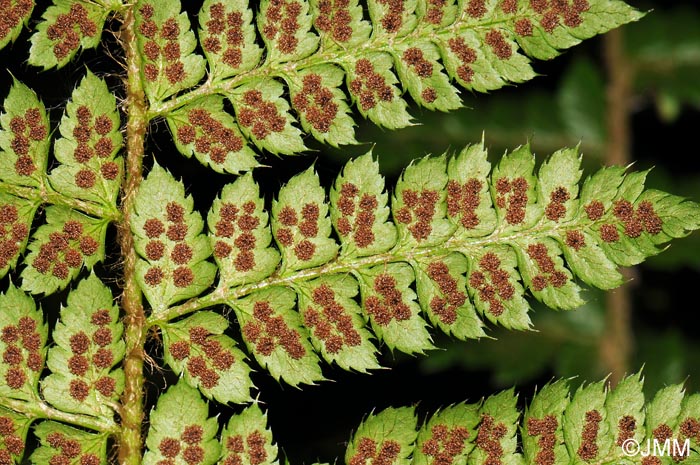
[[511, 195], [260, 115], [388, 304], [466, 56], [555, 12], [367, 450], [267, 331], [227, 29], [445, 307], [282, 24], [334, 18], [546, 429], [476, 8], [315, 103], [169, 34], [187, 447], [221, 358], [445, 443], [625, 429], [369, 87], [393, 18], [644, 218], [70, 451], [332, 324], [13, 14], [25, 130], [463, 200], [22, 348], [13, 444], [500, 288], [307, 227], [69, 29], [253, 446], [435, 11], [87, 149], [245, 222], [423, 68], [690, 428], [575, 239], [548, 272], [556, 209], [509, 7], [12, 234], [209, 135], [361, 230], [92, 351], [418, 211], [501, 48], [588, 450], [181, 253], [64, 250], [489, 438]]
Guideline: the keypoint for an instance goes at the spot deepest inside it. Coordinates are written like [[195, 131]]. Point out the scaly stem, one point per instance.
[[616, 343], [130, 441]]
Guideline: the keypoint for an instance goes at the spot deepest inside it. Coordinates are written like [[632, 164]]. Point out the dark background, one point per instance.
[[565, 105]]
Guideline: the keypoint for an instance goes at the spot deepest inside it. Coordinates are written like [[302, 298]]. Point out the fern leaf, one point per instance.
[[465, 246], [16, 16], [65, 27], [90, 140], [64, 444], [23, 337], [181, 435], [16, 217], [166, 43], [24, 139], [167, 236], [88, 347], [247, 440], [388, 436], [13, 436], [197, 347], [61, 247]]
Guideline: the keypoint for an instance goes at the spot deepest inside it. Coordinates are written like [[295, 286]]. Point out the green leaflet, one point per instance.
[[335, 323], [239, 234], [585, 415], [16, 217], [168, 237], [340, 22], [359, 209], [542, 433], [17, 16], [263, 117], [247, 439], [449, 433], [273, 332], [61, 247], [13, 435], [88, 347], [320, 103], [63, 444], [301, 225], [23, 335], [227, 36], [392, 19], [197, 347], [497, 431], [24, 138], [625, 411], [65, 27], [90, 140], [204, 129], [285, 30], [390, 434], [392, 309], [166, 43], [183, 435]]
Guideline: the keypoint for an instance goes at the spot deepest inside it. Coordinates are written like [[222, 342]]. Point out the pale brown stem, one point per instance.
[[616, 343], [132, 410]]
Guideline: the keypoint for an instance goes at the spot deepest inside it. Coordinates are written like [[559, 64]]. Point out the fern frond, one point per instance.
[[474, 241], [595, 424]]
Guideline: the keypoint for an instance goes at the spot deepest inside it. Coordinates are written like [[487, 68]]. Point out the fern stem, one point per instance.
[[40, 410], [49, 196], [132, 410]]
